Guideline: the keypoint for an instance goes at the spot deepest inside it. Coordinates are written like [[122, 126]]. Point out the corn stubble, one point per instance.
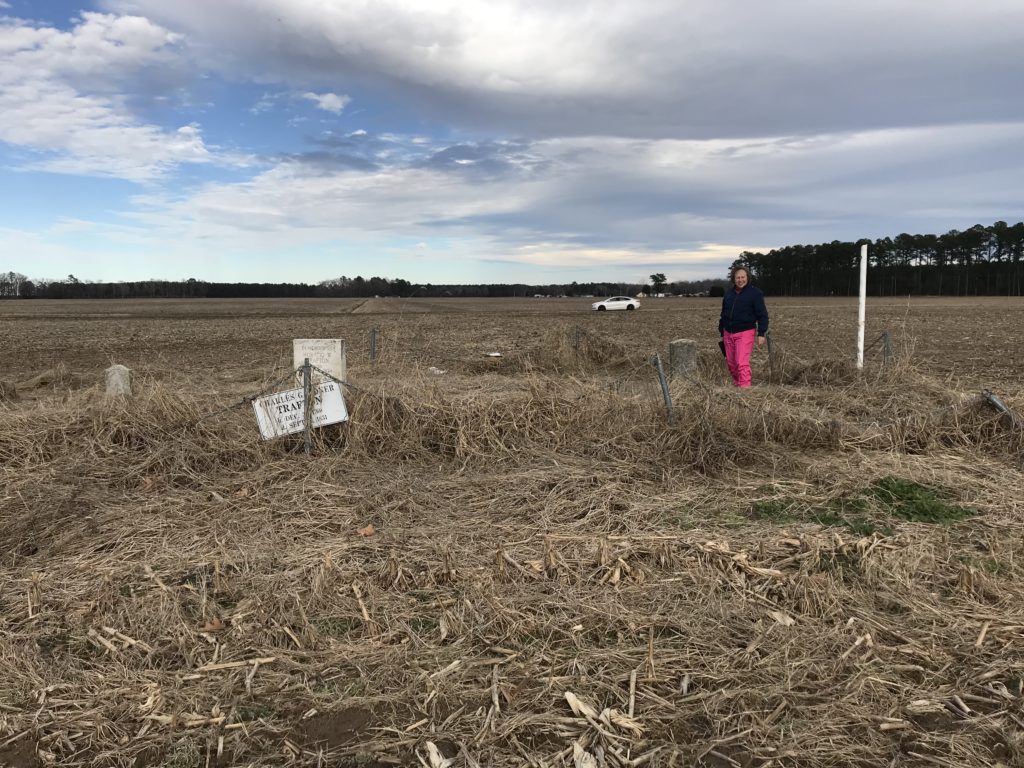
[[542, 571]]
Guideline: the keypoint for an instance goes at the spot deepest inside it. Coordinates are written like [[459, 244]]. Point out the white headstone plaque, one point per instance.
[[119, 381], [326, 354], [283, 413]]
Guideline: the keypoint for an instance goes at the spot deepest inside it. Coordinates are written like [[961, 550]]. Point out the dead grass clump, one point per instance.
[[569, 349], [978, 423], [785, 367], [508, 427], [8, 392], [55, 379], [158, 433], [816, 373], [543, 571], [508, 364]]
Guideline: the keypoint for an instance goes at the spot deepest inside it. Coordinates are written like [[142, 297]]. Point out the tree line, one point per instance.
[[980, 261], [14, 285]]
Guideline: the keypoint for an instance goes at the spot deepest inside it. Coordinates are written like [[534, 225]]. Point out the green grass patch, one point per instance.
[[849, 513], [916, 503], [255, 711], [336, 626], [185, 754], [422, 625], [779, 510], [867, 513], [858, 524]]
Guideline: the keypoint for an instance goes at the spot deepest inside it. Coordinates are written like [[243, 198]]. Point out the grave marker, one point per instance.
[[682, 357], [283, 413], [326, 354], [119, 381]]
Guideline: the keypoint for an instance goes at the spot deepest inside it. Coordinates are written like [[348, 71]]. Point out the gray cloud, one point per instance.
[[645, 197], [702, 69], [330, 161], [487, 160]]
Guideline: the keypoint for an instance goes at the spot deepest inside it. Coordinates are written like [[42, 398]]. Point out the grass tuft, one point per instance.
[[916, 503]]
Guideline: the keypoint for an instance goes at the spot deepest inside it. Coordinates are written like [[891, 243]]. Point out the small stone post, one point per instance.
[[119, 381], [682, 357]]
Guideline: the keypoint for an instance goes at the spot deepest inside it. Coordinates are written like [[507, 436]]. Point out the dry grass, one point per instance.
[[556, 573]]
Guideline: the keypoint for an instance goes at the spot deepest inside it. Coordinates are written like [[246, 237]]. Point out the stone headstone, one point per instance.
[[682, 357], [119, 381], [326, 354]]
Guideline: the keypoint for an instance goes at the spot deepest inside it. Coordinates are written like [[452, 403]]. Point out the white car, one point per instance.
[[615, 302]]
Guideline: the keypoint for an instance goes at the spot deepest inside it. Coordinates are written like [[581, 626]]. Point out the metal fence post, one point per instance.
[[656, 361], [373, 346], [307, 380], [886, 349], [771, 355], [1000, 406]]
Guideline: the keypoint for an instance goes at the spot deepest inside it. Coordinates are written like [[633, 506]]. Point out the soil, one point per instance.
[[20, 754], [225, 342], [333, 729]]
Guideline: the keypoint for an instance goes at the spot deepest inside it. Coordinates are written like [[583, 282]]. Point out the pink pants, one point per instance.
[[738, 347]]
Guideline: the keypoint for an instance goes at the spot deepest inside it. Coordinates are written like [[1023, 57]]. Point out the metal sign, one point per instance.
[[284, 413]]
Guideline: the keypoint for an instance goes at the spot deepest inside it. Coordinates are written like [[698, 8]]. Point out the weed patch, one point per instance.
[[916, 503], [782, 510]]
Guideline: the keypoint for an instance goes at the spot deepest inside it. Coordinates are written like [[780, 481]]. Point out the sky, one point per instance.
[[478, 141]]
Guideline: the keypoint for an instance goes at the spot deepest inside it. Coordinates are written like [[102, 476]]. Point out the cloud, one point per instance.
[[651, 69], [267, 102], [328, 102], [540, 134], [699, 261], [608, 202], [64, 96], [483, 160]]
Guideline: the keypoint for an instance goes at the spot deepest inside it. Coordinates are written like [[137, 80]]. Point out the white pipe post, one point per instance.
[[863, 303]]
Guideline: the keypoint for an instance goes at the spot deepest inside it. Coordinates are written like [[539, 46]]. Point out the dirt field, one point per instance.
[[523, 560], [973, 339]]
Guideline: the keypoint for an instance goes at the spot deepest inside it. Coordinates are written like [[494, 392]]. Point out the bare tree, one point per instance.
[[11, 284]]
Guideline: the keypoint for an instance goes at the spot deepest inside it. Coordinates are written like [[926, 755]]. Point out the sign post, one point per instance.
[[862, 306], [307, 405]]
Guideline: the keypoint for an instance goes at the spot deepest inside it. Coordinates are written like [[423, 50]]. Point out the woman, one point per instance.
[[743, 315]]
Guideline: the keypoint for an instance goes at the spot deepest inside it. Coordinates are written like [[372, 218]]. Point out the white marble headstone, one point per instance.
[[326, 354], [119, 381]]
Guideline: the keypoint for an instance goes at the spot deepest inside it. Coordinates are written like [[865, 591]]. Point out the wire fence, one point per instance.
[[628, 369]]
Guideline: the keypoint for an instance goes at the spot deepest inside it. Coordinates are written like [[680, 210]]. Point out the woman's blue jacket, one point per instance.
[[743, 310]]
